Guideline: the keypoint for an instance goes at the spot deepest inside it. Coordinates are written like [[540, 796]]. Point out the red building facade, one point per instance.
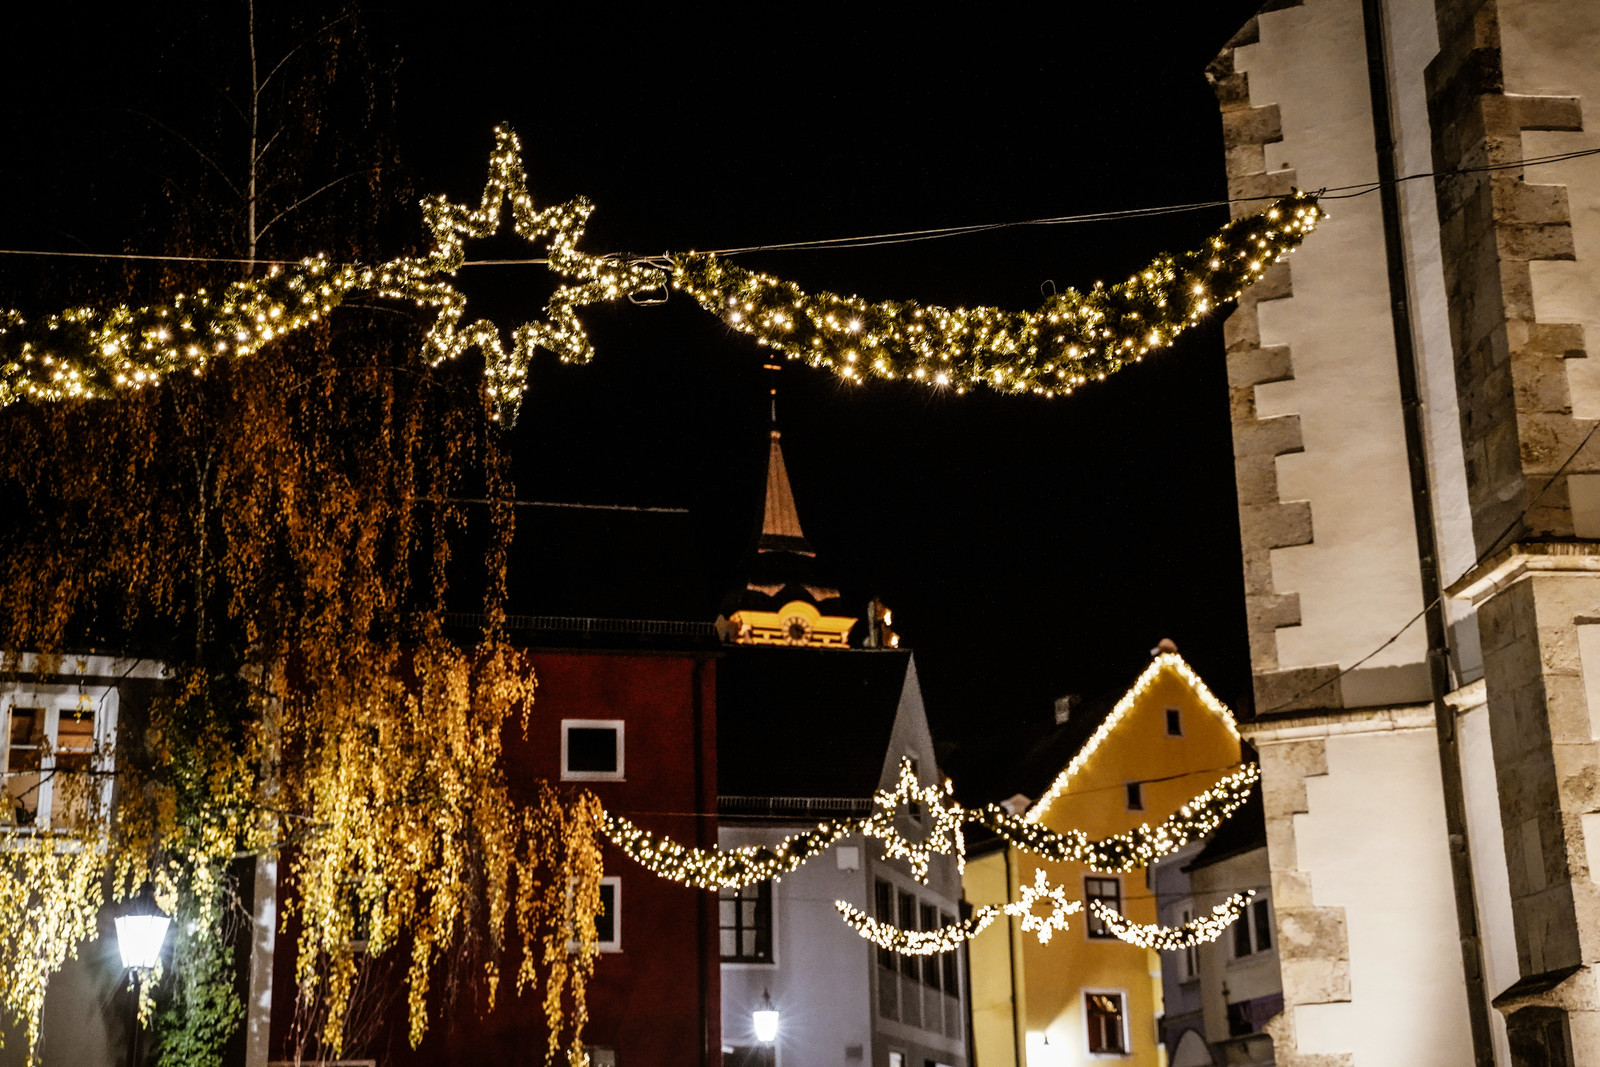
[[638, 729]]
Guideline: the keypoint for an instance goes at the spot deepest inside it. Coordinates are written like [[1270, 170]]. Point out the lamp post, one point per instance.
[[140, 933], [765, 1019]]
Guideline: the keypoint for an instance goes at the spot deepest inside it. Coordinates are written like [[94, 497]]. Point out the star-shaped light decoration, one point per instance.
[[944, 834], [1043, 926], [592, 278]]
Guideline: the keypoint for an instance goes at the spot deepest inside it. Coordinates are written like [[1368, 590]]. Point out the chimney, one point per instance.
[[1064, 706]]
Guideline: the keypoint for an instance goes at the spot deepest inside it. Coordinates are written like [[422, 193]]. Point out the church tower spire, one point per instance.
[[783, 601]]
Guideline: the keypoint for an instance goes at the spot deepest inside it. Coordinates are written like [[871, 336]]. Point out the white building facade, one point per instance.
[[1412, 397]]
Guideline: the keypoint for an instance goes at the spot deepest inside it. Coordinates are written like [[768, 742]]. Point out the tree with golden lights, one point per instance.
[[277, 533]]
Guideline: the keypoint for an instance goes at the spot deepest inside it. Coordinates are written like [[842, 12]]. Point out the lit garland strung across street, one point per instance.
[[93, 353], [1132, 850], [917, 942], [1072, 339], [716, 868], [1198, 931], [929, 942]]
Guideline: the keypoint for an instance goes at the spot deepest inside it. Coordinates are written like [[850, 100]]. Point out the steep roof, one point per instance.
[[796, 722], [1166, 662], [782, 565]]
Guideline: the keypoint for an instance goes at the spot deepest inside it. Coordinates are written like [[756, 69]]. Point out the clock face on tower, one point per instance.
[[796, 630]]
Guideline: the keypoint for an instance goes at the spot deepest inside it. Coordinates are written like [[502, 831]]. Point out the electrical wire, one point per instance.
[[1494, 546], [1338, 192]]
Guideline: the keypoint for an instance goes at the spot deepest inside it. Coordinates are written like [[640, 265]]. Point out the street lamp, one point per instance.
[[140, 933], [766, 1022]]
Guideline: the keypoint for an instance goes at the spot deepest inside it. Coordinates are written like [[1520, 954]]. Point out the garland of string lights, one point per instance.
[[94, 353], [91, 352], [918, 942], [1197, 931], [1072, 339], [1132, 850], [945, 938], [717, 868]]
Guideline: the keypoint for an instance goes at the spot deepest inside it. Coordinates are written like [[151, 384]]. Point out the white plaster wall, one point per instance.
[[1491, 883], [1412, 33], [1550, 48], [1357, 580], [820, 979], [1373, 842]]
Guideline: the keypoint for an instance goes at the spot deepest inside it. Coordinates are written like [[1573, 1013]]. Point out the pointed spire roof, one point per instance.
[[780, 521], [781, 568]]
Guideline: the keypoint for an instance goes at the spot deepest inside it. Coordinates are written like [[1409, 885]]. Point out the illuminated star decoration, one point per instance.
[[1197, 931], [593, 278], [944, 938], [1043, 926], [944, 835]]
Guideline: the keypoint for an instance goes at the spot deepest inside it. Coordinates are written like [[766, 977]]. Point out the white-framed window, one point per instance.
[[1108, 890], [1189, 955], [745, 918], [591, 750], [1252, 932], [914, 808], [55, 753], [608, 924], [1106, 1017]]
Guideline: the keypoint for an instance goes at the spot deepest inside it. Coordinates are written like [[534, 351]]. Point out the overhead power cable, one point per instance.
[[1338, 192]]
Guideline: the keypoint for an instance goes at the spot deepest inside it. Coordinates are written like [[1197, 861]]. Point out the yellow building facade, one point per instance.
[[1086, 997]]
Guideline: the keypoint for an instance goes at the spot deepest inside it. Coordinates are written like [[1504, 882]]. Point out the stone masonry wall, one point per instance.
[[1517, 424], [1266, 521]]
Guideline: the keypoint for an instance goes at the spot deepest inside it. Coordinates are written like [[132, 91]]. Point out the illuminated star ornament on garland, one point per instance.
[[945, 938], [1074, 338], [593, 279]]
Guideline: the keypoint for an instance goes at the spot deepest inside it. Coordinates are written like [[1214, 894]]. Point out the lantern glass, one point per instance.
[[766, 1020], [139, 939]]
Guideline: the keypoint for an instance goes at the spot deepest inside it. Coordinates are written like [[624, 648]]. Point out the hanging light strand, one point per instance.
[[1198, 931], [1072, 339]]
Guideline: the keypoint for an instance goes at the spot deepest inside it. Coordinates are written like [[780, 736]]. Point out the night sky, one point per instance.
[[1028, 547]]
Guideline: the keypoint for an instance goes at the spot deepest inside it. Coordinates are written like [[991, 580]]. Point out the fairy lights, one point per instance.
[[1137, 848], [1043, 926], [1165, 662], [89, 352], [944, 836], [930, 942], [717, 868], [1072, 339], [1198, 931], [917, 942], [592, 278]]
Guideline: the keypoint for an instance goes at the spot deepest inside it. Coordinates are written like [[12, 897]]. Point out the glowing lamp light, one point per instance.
[[765, 1019], [139, 939]]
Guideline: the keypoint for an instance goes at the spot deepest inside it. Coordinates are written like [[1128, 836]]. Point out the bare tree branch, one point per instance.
[[261, 88], [192, 147], [262, 232]]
